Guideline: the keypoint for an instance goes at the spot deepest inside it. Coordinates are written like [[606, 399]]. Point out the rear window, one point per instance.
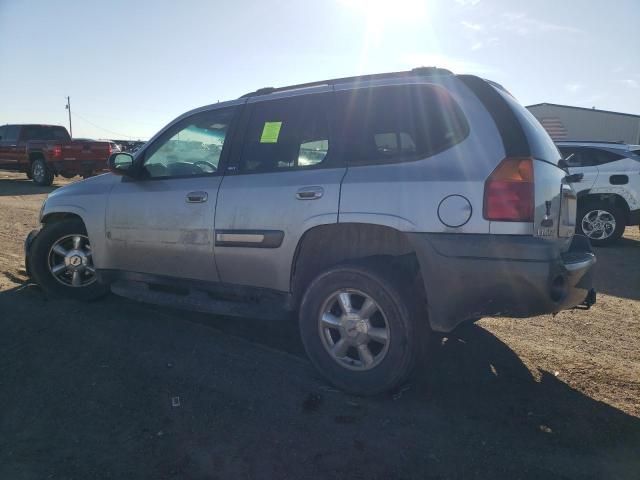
[[540, 143], [41, 132], [397, 123]]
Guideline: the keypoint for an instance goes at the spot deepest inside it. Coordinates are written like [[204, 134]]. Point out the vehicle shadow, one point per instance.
[[473, 410], [12, 186], [618, 269]]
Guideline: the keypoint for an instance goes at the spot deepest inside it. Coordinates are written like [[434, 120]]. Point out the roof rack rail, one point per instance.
[[419, 71], [619, 142]]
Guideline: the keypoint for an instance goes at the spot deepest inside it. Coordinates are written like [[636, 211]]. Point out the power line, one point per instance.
[[130, 137]]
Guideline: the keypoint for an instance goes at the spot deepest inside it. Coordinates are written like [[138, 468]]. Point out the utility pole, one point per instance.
[[68, 107]]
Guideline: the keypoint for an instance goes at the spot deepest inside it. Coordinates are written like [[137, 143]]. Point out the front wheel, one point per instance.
[[602, 224], [360, 329], [62, 262]]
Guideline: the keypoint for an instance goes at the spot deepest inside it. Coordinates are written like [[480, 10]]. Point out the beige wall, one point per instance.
[[564, 123]]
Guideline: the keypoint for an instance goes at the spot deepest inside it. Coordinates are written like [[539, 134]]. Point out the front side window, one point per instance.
[[291, 133], [398, 123], [572, 156], [191, 148]]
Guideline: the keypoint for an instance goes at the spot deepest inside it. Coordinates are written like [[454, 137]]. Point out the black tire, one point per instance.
[[407, 329], [617, 213], [39, 262], [41, 174]]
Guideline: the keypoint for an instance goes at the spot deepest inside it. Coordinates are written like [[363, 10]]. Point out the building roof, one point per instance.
[[582, 108]]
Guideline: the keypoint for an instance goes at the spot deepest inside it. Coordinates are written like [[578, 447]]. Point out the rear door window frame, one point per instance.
[[332, 159]]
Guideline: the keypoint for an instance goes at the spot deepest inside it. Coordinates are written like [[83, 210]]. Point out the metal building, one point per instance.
[[576, 123]]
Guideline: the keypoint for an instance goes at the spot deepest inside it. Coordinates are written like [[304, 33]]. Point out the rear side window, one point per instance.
[[397, 123], [41, 132], [604, 156], [10, 133], [540, 143], [290, 133]]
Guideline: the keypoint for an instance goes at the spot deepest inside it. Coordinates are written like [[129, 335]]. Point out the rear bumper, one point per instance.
[[79, 167], [471, 276]]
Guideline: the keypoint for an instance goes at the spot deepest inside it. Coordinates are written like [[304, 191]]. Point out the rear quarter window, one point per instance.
[[397, 123], [541, 145]]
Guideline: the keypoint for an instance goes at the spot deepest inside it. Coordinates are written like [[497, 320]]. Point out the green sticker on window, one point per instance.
[[270, 132]]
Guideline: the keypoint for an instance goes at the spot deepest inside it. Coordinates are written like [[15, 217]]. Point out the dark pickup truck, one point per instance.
[[43, 151]]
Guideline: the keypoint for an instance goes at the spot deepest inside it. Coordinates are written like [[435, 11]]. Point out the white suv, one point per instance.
[[609, 191]]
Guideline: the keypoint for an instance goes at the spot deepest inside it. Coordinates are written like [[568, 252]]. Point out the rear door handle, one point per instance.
[[197, 197], [309, 193]]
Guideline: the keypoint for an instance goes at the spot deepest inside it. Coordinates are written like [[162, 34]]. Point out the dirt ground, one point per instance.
[[118, 389]]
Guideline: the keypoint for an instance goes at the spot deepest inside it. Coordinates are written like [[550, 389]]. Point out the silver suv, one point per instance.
[[380, 208]]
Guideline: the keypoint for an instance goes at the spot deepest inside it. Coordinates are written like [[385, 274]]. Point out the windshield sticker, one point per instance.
[[270, 132]]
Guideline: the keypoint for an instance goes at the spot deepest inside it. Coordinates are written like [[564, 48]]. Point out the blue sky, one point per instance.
[[132, 66]]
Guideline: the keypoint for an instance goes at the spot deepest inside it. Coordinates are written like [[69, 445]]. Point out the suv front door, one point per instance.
[[286, 180], [162, 222]]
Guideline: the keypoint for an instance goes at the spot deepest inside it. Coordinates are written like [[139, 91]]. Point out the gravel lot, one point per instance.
[[88, 390]]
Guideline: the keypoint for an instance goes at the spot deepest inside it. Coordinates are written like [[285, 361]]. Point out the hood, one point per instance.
[[98, 185]]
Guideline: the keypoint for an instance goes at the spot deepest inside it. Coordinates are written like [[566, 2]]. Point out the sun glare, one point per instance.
[[382, 16]]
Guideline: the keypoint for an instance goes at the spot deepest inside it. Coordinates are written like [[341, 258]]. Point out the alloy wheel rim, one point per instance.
[[38, 171], [598, 224], [70, 261], [354, 330]]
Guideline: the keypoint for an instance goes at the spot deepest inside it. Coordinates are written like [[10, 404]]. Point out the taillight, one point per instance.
[[56, 151], [110, 149], [509, 191]]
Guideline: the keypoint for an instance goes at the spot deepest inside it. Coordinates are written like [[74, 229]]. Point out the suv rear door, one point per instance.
[[581, 160], [283, 180]]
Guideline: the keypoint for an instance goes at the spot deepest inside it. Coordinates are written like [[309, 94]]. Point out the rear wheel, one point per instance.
[[603, 224], [40, 173], [360, 328], [62, 263]]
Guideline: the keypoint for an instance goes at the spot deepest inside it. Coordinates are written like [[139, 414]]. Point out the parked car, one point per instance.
[[379, 208], [609, 191], [43, 151]]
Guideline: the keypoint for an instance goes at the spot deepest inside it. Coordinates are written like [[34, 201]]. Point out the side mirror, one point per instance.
[[121, 163]]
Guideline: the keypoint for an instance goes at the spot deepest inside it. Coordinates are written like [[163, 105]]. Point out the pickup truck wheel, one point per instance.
[[40, 173], [359, 328], [602, 224], [62, 264]]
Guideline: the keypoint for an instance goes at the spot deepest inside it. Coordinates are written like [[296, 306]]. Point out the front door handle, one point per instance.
[[197, 197], [309, 193]]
